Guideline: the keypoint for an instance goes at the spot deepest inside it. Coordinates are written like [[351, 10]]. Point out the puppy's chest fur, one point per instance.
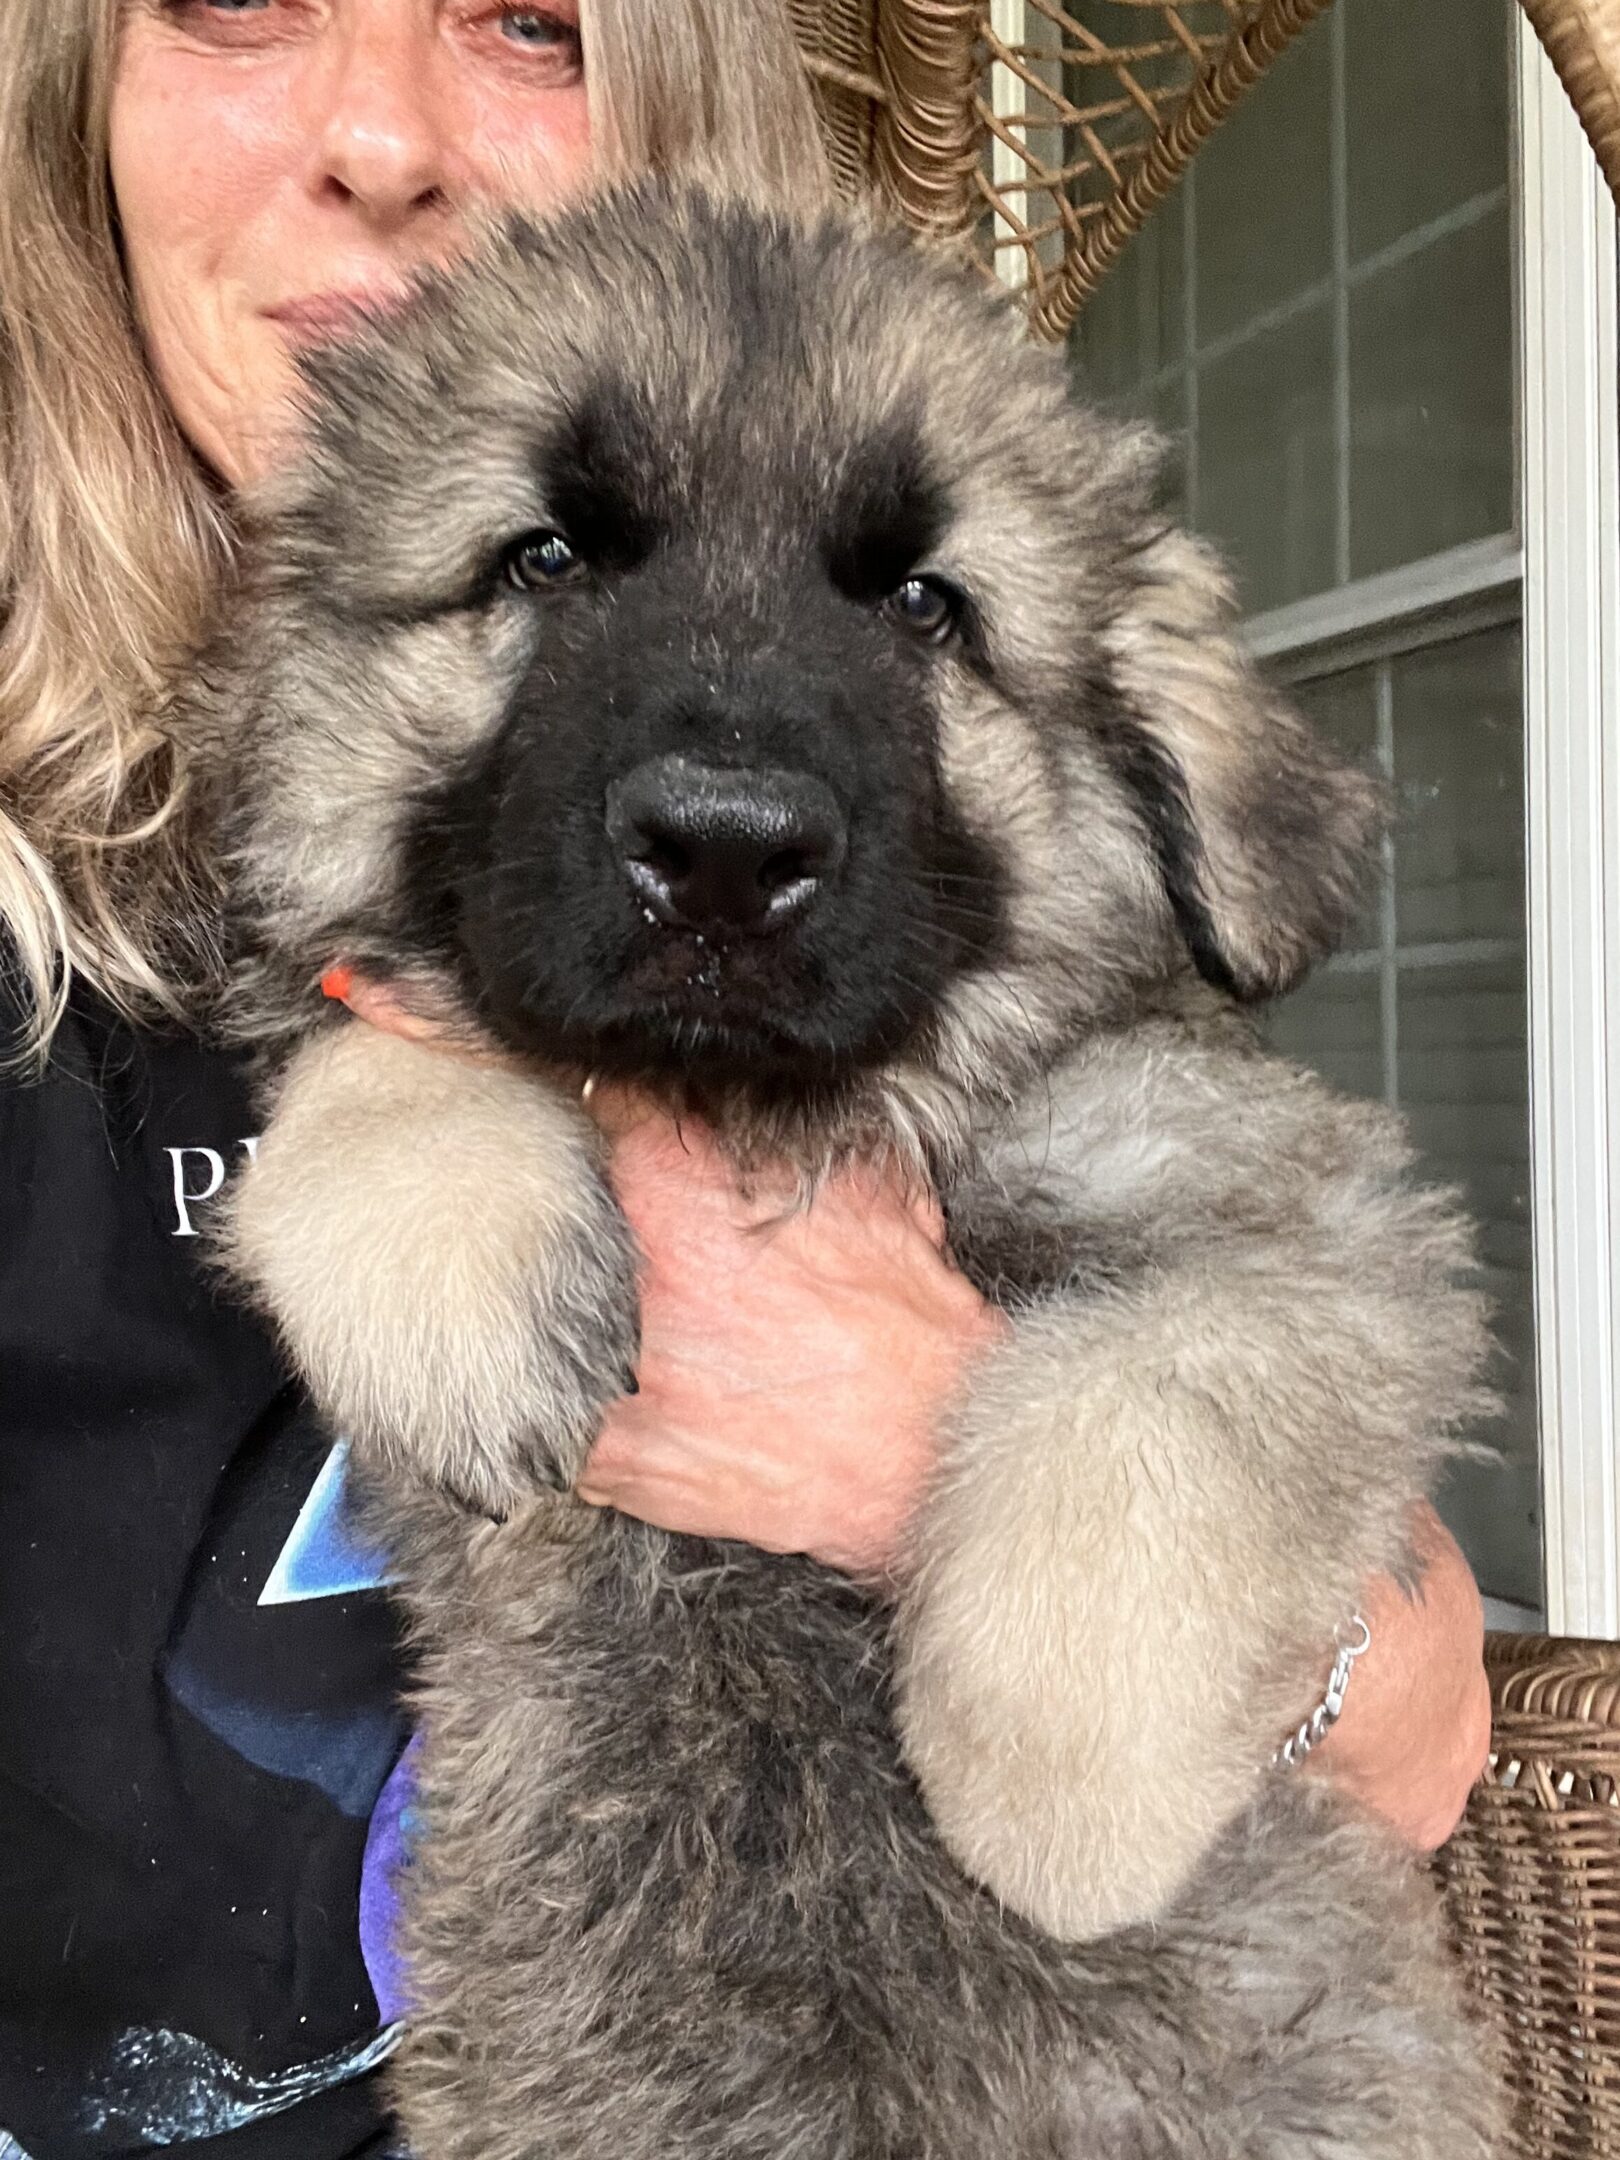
[[1015, 1245], [709, 1891], [678, 1892], [628, 1729], [676, 1884]]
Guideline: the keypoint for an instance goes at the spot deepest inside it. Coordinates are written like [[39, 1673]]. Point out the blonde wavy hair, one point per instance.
[[113, 540]]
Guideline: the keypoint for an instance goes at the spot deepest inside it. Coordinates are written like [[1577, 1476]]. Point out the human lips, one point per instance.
[[317, 318]]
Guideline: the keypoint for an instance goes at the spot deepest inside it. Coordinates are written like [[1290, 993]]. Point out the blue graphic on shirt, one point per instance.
[[262, 1655], [389, 1841], [285, 1652], [326, 1554], [348, 1753], [169, 2088]]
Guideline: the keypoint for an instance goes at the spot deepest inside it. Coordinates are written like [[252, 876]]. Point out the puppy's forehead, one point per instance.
[[648, 370], [757, 368]]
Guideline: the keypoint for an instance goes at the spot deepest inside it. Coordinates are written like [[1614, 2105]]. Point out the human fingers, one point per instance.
[[396, 1009]]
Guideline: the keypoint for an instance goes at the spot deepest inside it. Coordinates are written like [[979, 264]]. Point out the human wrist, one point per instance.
[[1313, 1730], [1415, 1731]]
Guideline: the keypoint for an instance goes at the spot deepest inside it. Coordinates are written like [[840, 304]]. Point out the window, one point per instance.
[[1325, 318], [1427, 1007]]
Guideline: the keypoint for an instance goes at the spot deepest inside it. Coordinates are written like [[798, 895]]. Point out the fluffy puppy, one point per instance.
[[712, 649]]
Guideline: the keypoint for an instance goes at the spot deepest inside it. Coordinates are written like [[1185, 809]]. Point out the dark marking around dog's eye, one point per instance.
[[887, 516], [540, 560], [598, 472], [930, 606]]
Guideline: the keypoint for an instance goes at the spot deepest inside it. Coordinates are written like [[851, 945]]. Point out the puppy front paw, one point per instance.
[[441, 1253]]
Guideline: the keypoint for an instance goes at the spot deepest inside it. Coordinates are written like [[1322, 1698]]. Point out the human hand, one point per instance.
[[794, 1361], [1416, 1726]]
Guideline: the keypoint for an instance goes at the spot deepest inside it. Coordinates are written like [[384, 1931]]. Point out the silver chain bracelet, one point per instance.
[[1326, 1714]]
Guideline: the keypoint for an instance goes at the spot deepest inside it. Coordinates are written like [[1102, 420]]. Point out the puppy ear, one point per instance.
[[1265, 837]]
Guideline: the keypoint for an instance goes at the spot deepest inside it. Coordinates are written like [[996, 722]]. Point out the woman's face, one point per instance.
[[277, 162]]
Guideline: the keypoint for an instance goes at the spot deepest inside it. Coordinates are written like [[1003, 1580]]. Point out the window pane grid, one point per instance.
[[1333, 310], [1319, 293], [1326, 322], [1436, 1026]]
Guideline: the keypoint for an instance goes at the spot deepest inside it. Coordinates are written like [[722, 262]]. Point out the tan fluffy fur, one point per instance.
[[1250, 1265], [436, 1240]]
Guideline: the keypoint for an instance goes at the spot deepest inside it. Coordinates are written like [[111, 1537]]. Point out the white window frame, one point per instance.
[[1571, 522], [1008, 98]]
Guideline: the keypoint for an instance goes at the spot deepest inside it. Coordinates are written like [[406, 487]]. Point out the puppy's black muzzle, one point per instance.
[[724, 853], [710, 840]]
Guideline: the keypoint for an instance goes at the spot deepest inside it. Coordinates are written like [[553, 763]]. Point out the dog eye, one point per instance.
[[540, 559], [926, 605]]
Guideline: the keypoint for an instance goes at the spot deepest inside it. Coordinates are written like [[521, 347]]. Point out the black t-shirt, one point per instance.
[[198, 1674]]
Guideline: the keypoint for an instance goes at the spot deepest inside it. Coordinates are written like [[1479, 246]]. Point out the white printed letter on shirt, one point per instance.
[[184, 1194]]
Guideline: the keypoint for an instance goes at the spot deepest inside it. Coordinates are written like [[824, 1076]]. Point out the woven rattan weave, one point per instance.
[[1109, 111], [1049, 132], [1112, 104], [914, 66], [1533, 1887], [839, 41], [1583, 39]]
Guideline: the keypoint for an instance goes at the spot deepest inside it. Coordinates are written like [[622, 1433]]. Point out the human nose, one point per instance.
[[379, 140]]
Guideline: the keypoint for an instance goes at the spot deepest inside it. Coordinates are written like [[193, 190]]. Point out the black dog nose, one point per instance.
[[716, 850]]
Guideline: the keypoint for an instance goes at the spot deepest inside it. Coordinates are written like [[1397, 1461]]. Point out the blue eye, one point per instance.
[[207, 18], [532, 26], [540, 559], [927, 605]]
